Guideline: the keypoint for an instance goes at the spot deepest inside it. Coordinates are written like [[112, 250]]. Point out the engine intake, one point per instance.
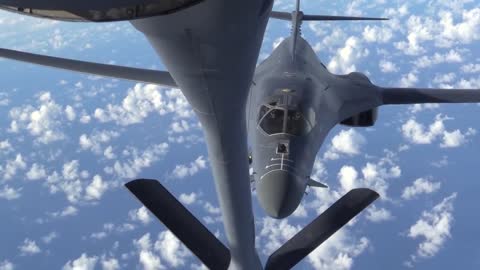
[[363, 119]]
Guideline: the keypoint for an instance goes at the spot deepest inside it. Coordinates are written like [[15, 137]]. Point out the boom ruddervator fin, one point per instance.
[[96, 10], [128, 73], [319, 230], [197, 237], [181, 223]]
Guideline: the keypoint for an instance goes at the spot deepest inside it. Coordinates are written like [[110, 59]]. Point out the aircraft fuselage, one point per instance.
[[293, 103]]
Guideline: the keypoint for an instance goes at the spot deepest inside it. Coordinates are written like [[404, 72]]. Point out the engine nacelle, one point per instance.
[[363, 119]]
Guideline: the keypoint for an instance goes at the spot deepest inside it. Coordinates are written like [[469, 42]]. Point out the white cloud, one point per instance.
[[131, 167], [36, 172], [419, 30], [456, 138], [443, 162], [150, 261], [434, 227], [110, 264], [417, 134], [4, 101], [70, 113], [275, 233], [96, 189], [171, 249], [188, 199], [70, 170], [182, 171], [338, 252], [377, 34], [471, 68], [6, 265], [378, 215], [98, 235], [108, 153], [374, 176], [451, 56], [95, 140], [408, 80], [421, 107], [47, 239], [179, 127], [146, 257], [211, 209], [333, 39], [5, 147], [69, 183], [444, 32], [29, 247], [142, 100], [300, 212], [141, 214], [12, 166], [348, 178], [346, 58], [57, 40], [82, 263], [465, 31], [85, 118], [109, 228], [420, 186], [9, 193], [67, 211], [388, 67], [72, 183], [43, 122], [186, 139], [347, 142]]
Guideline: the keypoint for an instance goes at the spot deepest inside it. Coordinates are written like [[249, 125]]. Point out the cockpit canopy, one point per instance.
[[277, 120]]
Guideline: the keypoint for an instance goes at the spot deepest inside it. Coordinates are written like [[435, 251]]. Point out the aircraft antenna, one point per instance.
[[297, 19]]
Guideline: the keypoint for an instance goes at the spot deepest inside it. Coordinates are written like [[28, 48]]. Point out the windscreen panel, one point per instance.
[[272, 122], [97, 11], [296, 124]]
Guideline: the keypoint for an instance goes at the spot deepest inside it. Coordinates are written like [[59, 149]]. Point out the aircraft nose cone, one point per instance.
[[279, 193]]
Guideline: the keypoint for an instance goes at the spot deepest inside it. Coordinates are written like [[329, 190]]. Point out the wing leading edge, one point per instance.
[[128, 73], [428, 95]]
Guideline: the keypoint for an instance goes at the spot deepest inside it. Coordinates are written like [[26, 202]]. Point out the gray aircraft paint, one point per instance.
[[198, 46], [293, 75], [200, 60]]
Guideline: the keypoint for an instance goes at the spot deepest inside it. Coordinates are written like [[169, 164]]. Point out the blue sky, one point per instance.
[[68, 142]]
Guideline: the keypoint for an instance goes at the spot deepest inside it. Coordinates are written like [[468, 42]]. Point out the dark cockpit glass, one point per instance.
[[272, 122], [296, 123]]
